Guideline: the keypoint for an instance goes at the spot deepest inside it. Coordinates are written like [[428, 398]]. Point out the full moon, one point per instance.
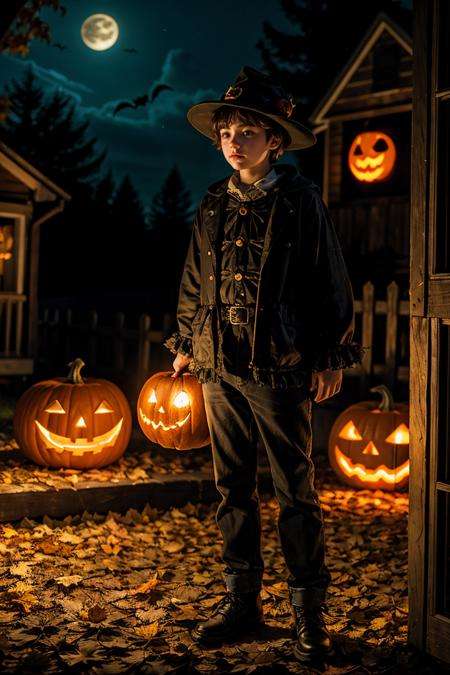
[[100, 32]]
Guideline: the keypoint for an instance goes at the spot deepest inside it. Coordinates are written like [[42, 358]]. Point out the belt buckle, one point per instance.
[[233, 310]]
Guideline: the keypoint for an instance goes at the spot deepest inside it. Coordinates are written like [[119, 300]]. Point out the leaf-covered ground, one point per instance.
[[141, 461], [120, 593]]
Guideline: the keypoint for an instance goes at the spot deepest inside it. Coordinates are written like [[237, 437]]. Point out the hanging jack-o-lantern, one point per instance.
[[372, 156], [73, 423], [171, 411], [369, 444]]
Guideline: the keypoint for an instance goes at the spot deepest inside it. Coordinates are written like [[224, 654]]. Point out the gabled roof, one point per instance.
[[381, 23], [44, 189]]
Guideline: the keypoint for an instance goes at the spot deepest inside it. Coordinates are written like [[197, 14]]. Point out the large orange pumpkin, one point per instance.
[[171, 411], [372, 156], [73, 423], [369, 443]]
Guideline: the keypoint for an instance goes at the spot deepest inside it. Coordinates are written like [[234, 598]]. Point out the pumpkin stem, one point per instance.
[[74, 375], [387, 400]]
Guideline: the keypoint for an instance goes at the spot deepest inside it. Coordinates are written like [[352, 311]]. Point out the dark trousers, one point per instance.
[[283, 418]]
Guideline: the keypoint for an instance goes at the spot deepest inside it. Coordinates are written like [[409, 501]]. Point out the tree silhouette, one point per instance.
[[44, 131], [168, 236], [125, 242], [307, 61]]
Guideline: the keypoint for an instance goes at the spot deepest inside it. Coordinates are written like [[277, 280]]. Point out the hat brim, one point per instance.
[[199, 116]]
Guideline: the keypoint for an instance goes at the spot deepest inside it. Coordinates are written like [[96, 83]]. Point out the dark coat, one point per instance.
[[304, 315]]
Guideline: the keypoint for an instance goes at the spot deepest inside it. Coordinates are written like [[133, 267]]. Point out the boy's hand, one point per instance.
[[180, 363], [327, 382]]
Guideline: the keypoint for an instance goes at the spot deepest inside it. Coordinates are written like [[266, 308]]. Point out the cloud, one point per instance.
[[54, 78]]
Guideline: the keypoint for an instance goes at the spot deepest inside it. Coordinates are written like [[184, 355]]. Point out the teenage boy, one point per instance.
[[265, 321]]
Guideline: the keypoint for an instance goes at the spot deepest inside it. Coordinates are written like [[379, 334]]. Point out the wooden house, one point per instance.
[[27, 200], [365, 117]]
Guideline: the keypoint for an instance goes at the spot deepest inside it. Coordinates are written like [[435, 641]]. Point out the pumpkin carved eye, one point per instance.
[[103, 408], [400, 435], [380, 145], [152, 397], [181, 400], [358, 150], [350, 432], [55, 408]]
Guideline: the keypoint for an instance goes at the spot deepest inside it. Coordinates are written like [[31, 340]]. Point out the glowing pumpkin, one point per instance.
[[171, 411], [6, 245], [73, 423], [369, 443], [372, 156]]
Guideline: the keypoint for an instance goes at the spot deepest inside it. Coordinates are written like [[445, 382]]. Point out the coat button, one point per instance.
[[239, 242], [243, 211], [209, 252], [238, 276], [211, 277]]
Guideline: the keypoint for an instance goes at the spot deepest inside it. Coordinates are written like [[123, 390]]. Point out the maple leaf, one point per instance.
[[148, 631], [148, 586], [71, 580]]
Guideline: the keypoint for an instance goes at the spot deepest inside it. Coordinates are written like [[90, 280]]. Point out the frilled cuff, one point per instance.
[[179, 344], [342, 355]]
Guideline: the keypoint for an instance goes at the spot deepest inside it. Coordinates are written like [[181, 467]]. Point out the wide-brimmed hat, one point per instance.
[[258, 92]]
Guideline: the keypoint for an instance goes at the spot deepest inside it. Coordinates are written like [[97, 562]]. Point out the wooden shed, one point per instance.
[[365, 117], [27, 200]]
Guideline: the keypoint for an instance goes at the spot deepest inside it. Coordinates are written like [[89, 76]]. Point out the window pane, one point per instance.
[[443, 554], [444, 45], [442, 192]]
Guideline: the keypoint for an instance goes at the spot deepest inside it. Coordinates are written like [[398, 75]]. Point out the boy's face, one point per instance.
[[245, 146]]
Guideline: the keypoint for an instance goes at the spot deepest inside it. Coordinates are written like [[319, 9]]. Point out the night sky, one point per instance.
[[196, 47]]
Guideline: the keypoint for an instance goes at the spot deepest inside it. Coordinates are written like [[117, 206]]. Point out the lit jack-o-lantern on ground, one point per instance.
[[369, 443], [73, 423], [171, 411], [372, 156], [6, 245]]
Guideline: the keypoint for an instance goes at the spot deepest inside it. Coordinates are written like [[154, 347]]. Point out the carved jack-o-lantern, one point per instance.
[[372, 156], [171, 411], [6, 245], [369, 443], [73, 423]]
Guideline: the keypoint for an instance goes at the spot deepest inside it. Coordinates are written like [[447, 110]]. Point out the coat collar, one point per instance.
[[290, 179]]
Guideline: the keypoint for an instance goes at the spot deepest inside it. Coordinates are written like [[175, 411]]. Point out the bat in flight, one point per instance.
[[58, 45], [141, 101], [130, 50]]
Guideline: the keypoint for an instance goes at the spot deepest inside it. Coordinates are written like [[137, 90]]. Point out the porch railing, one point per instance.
[[11, 324], [117, 350]]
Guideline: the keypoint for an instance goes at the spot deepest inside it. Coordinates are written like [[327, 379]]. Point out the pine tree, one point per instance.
[[168, 237], [124, 242], [306, 61], [45, 132]]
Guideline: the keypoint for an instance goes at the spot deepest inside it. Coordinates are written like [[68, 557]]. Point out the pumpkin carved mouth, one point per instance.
[[160, 424], [381, 473], [80, 445]]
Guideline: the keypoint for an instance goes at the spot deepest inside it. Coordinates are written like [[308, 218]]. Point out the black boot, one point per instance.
[[234, 616], [313, 639]]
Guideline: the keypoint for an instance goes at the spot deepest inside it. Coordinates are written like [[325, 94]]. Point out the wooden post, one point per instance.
[[19, 324], [367, 333], [391, 334], [144, 349]]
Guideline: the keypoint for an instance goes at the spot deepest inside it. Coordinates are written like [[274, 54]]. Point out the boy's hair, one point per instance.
[[224, 116]]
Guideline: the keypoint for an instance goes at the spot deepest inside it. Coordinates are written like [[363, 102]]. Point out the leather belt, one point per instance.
[[237, 314]]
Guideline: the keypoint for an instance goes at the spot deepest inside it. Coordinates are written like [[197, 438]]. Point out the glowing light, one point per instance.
[[350, 432], [181, 400], [381, 473]]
